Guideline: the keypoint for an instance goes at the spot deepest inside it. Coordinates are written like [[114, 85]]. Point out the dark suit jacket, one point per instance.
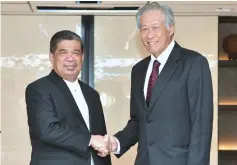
[[58, 133], [176, 128]]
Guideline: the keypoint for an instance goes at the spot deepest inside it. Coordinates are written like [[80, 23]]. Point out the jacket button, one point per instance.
[[151, 143], [148, 120]]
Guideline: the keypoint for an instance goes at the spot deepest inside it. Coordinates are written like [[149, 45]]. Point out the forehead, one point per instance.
[[152, 16], [69, 44]]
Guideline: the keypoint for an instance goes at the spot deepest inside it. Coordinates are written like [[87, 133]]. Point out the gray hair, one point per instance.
[[166, 10]]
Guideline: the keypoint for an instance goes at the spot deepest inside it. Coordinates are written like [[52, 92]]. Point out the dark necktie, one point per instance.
[[152, 79]]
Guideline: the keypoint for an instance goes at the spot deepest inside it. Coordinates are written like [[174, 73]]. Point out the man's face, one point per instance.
[[67, 59], [154, 34]]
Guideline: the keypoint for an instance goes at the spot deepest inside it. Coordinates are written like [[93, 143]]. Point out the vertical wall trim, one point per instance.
[[88, 40]]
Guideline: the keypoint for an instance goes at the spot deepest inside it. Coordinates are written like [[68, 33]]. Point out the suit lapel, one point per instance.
[[165, 75], [89, 101], [63, 88], [142, 76]]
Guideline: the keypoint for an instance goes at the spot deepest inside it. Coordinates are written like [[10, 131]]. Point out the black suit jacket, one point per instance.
[[58, 133], [176, 128]]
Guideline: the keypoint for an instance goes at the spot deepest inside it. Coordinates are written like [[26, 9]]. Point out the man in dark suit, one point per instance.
[[65, 115], [171, 105]]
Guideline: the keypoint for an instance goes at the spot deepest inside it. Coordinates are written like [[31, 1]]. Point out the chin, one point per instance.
[[153, 52]]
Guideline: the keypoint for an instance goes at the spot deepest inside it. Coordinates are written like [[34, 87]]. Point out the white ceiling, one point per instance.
[[226, 8]]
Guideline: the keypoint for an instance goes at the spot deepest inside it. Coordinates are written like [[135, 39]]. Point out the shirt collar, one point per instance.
[[71, 84]]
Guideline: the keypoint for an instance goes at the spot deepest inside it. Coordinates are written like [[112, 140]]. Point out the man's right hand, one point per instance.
[[113, 143], [100, 144], [104, 145]]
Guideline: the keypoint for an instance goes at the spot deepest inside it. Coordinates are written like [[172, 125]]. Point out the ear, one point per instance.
[[82, 56], [171, 30], [51, 58]]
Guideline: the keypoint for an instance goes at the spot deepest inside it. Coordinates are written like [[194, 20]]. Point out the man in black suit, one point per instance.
[[65, 115], [171, 105]]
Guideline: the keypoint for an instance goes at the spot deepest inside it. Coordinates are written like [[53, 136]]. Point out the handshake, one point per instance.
[[104, 145]]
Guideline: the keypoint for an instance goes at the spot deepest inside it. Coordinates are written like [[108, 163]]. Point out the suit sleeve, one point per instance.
[[128, 137], [200, 95], [45, 125]]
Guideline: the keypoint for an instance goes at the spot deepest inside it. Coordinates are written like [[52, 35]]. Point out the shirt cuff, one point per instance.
[[117, 151]]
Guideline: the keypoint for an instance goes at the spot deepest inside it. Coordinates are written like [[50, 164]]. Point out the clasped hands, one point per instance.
[[104, 145]]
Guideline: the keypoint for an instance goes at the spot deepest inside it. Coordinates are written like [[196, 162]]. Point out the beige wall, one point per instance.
[[24, 58], [118, 48]]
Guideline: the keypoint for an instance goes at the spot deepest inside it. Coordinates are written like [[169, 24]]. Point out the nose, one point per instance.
[[150, 34], [70, 57]]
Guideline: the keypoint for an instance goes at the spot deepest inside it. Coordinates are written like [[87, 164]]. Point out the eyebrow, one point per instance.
[[143, 26], [64, 50], [77, 50]]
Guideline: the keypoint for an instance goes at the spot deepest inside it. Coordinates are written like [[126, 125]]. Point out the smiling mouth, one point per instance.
[[151, 43], [70, 67]]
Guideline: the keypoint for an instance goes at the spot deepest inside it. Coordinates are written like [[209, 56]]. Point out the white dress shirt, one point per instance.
[[79, 98], [162, 58]]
